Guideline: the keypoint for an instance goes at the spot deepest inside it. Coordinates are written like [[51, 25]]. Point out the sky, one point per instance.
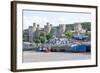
[[54, 18]]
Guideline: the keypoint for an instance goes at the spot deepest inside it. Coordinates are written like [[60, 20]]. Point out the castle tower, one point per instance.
[[37, 33], [30, 33], [78, 28], [61, 30], [34, 27], [47, 28], [32, 30]]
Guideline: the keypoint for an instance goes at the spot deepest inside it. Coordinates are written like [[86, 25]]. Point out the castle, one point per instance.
[[56, 31]]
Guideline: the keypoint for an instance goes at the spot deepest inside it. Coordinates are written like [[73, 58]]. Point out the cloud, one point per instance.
[[62, 20]]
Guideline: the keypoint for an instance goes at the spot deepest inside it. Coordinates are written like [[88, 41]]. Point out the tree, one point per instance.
[[88, 34], [68, 35], [43, 34], [42, 39], [48, 36], [36, 40], [86, 25]]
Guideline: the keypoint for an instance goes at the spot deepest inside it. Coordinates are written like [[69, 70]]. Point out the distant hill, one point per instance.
[[85, 25]]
